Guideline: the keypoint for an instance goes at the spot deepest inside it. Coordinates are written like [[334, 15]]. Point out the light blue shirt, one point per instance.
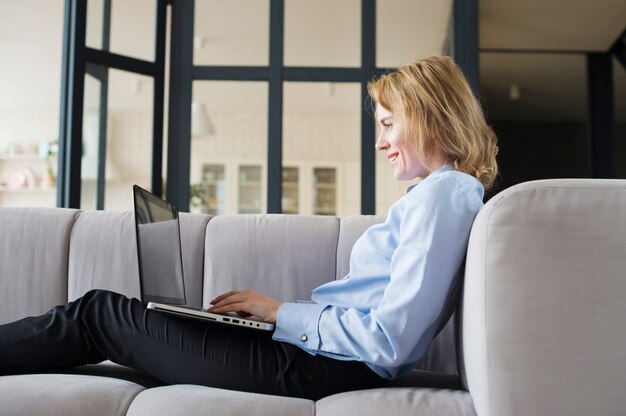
[[388, 308]]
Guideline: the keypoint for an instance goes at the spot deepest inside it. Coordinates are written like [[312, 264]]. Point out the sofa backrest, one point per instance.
[[442, 353], [288, 256], [34, 247], [103, 254], [283, 256], [56, 255]]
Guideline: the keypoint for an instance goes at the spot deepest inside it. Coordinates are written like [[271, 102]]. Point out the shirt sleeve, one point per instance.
[[433, 233], [298, 323]]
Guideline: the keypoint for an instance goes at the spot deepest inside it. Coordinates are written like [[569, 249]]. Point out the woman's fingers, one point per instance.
[[247, 302], [223, 296]]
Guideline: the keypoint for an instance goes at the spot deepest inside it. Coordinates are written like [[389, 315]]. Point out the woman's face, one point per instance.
[[400, 152]]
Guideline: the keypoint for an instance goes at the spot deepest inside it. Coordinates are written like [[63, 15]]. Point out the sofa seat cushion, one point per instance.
[[397, 402], [110, 369], [65, 395], [427, 379], [191, 400]]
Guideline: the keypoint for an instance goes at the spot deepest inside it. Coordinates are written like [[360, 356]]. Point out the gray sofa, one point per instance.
[[539, 330]]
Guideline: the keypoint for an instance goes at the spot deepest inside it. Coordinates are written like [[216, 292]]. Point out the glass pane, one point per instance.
[[537, 104], [291, 190], [323, 33], [133, 28], [407, 29], [132, 31], [129, 141], [321, 132], [95, 24], [234, 32], [619, 94], [250, 190], [229, 130], [30, 46]]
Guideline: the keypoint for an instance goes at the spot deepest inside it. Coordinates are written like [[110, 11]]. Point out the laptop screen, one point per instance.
[[159, 249]]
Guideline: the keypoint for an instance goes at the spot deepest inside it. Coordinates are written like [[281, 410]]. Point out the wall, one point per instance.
[[542, 150]]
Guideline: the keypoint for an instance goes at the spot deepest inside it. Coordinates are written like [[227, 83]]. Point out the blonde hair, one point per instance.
[[439, 111]]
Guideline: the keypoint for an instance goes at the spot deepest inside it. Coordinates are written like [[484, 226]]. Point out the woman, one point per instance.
[[354, 333]]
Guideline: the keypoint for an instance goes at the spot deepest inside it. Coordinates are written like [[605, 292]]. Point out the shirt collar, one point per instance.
[[442, 169]]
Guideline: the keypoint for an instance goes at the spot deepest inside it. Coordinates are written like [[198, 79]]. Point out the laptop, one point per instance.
[[161, 276]]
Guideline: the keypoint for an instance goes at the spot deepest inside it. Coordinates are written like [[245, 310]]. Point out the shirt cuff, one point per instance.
[[297, 324]]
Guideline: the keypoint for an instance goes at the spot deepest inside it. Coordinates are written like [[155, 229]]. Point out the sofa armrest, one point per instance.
[[543, 306]]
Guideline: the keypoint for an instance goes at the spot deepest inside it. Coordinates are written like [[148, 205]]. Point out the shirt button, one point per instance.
[[304, 338]]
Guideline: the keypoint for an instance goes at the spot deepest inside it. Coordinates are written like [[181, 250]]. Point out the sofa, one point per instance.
[[539, 330]]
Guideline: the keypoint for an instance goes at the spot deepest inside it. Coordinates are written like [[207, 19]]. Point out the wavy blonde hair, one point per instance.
[[439, 111]]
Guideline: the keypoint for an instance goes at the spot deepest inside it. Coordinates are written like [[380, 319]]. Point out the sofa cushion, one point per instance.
[[33, 260], [283, 256], [442, 353], [192, 233], [543, 308], [113, 370], [103, 254], [397, 402], [350, 230], [65, 395], [190, 400]]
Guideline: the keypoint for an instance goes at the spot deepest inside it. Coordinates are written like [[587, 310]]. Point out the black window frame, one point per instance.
[[77, 58]]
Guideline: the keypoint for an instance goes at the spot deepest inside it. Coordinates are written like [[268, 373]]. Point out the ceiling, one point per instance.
[[539, 47]]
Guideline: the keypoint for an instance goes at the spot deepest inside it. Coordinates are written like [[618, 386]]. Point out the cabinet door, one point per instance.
[[324, 191], [250, 199], [212, 194], [291, 190]]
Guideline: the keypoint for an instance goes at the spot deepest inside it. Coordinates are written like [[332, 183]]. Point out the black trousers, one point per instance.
[[105, 325]]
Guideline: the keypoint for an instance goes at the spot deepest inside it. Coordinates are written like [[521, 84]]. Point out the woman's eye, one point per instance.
[[386, 126]]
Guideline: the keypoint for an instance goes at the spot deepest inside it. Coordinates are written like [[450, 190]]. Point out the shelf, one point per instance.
[[324, 211], [28, 190], [326, 186], [250, 183], [21, 156], [249, 207]]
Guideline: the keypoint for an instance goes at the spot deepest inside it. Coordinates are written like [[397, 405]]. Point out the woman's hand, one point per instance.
[[246, 303]]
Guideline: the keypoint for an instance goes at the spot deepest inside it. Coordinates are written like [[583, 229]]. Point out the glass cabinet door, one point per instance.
[[291, 190], [250, 189], [212, 195], [324, 191]]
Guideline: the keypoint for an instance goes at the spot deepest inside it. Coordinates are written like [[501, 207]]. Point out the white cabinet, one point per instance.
[[240, 187], [311, 188], [231, 187]]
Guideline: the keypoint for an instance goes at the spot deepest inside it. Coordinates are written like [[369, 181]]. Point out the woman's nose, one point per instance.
[[381, 143]]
